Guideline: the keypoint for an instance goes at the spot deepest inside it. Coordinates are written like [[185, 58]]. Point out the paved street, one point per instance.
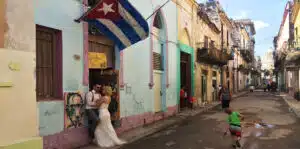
[[205, 131]]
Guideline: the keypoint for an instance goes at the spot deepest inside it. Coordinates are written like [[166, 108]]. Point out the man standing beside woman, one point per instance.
[[100, 127], [92, 109]]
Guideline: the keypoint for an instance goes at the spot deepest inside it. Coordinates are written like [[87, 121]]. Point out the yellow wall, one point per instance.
[[186, 8], [2, 22], [34, 143], [202, 30], [297, 25], [18, 109]]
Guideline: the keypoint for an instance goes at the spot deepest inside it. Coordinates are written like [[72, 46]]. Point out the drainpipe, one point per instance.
[[2, 22]]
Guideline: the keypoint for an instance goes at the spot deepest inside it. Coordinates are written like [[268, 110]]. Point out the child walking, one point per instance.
[[234, 121]]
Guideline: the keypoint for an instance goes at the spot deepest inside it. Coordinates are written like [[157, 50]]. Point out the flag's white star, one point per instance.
[[106, 8]]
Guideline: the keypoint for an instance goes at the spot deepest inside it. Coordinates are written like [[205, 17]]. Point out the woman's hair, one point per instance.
[[107, 91]]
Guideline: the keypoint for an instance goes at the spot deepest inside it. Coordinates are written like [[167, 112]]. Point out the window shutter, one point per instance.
[[157, 61]]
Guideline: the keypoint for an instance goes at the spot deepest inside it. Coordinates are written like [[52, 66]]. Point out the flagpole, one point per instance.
[[157, 9], [82, 16]]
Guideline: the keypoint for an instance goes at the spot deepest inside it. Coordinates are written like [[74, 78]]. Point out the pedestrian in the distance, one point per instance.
[[234, 122], [225, 97]]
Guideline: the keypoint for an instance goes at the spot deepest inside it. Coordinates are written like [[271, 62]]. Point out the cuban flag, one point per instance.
[[119, 21]]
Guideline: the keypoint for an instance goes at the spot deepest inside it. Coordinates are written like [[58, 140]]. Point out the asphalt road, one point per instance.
[[280, 129]]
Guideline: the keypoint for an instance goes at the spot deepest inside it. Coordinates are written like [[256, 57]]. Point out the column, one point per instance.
[[224, 78], [209, 84]]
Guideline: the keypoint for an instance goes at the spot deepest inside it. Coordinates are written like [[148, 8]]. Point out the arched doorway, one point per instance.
[[186, 67], [159, 61]]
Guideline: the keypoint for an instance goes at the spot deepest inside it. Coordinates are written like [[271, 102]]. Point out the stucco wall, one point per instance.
[[21, 30], [19, 109], [60, 15], [137, 97], [17, 78], [284, 36], [297, 25], [72, 35]]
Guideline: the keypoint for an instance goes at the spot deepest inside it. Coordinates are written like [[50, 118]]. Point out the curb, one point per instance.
[[291, 108]]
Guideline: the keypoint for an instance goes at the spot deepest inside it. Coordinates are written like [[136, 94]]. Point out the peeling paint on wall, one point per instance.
[[16, 37]]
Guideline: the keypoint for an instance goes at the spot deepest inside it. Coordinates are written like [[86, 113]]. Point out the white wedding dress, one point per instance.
[[105, 133]]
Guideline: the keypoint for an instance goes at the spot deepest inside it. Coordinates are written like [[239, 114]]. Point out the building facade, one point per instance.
[[293, 56], [19, 115], [59, 54], [281, 47], [186, 10], [51, 61]]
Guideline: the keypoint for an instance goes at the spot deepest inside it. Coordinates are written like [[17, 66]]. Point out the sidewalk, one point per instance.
[[143, 131], [292, 102]]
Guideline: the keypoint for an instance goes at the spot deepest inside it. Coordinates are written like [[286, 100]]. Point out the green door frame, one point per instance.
[[188, 50]]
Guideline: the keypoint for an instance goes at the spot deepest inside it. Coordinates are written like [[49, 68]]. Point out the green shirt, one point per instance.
[[234, 119]]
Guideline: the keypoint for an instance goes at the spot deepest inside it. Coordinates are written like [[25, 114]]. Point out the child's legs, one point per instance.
[[234, 138]]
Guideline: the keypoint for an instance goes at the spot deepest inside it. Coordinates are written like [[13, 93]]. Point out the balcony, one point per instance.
[[212, 55], [244, 68], [295, 46], [246, 54]]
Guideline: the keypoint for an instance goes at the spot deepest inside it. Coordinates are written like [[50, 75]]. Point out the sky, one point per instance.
[[266, 14]]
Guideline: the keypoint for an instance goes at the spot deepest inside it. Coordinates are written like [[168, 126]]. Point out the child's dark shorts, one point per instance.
[[235, 130]]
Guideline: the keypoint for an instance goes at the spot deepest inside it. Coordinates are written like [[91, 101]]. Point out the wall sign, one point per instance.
[[97, 60]]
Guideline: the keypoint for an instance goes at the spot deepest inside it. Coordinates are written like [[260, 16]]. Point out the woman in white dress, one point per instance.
[[105, 134]]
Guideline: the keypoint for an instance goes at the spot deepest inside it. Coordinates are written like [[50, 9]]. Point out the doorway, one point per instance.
[[185, 77], [214, 85]]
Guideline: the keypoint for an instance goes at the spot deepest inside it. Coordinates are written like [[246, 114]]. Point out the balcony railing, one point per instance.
[[212, 55], [246, 54], [295, 44], [244, 68]]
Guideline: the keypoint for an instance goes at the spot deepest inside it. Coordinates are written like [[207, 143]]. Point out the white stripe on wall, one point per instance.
[[130, 20], [116, 30]]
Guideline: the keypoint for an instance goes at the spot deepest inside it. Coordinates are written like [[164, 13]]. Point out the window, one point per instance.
[[157, 61], [157, 21], [212, 44], [296, 30], [227, 39], [205, 42], [48, 64]]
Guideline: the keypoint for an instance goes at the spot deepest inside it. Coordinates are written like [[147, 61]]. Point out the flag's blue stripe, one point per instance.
[[128, 30], [106, 31], [135, 14]]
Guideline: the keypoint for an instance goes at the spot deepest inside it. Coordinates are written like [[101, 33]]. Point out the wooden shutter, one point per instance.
[[46, 64], [157, 61]]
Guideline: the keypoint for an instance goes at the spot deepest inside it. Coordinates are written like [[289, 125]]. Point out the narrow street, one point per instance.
[[205, 131]]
